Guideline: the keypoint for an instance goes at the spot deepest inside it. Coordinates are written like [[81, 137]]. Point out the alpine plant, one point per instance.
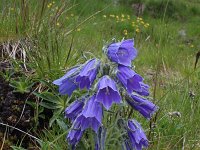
[[107, 86]]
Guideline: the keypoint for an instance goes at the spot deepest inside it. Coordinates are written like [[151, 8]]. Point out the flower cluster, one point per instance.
[[50, 4], [137, 24], [110, 87]]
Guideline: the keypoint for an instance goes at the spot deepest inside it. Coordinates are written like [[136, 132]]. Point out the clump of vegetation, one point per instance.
[[170, 9], [128, 26]]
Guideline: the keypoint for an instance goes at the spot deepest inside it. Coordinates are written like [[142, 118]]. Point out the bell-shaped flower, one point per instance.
[[130, 80], [88, 74], [122, 52], [74, 109], [67, 83], [107, 92], [74, 135], [142, 105], [145, 89], [91, 115], [136, 135]]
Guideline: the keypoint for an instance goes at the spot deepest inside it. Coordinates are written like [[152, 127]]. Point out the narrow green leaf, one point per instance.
[[49, 105], [48, 97]]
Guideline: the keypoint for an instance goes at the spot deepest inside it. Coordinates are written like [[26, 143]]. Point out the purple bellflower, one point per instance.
[[107, 92], [67, 83], [122, 52], [74, 109], [74, 135], [145, 89], [131, 80], [91, 115], [88, 74], [142, 105], [137, 137]]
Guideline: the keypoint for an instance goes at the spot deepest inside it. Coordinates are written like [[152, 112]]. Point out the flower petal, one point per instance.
[[88, 74], [107, 92], [122, 52]]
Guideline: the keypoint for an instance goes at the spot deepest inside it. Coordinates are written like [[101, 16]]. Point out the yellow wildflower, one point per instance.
[[142, 22], [191, 46], [58, 24], [122, 20], [137, 30], [112, 16], [78, 29], [49, 5], [104, 16], [122, 15], [117, 17], [125, 32], [72, 15]]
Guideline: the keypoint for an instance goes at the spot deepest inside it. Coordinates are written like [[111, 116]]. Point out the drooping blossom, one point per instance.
[[107, 92], [88, 74], [136, 135], [74, 135], [142, 105], [91, 115], [74, 109], [122, 52], [145, 89], [131, 80], [67, 83]]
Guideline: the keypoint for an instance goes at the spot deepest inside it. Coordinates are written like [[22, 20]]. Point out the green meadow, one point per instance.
[[41, 39]]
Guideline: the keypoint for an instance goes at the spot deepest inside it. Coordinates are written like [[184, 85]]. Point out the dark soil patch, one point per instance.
[[14, 110]]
